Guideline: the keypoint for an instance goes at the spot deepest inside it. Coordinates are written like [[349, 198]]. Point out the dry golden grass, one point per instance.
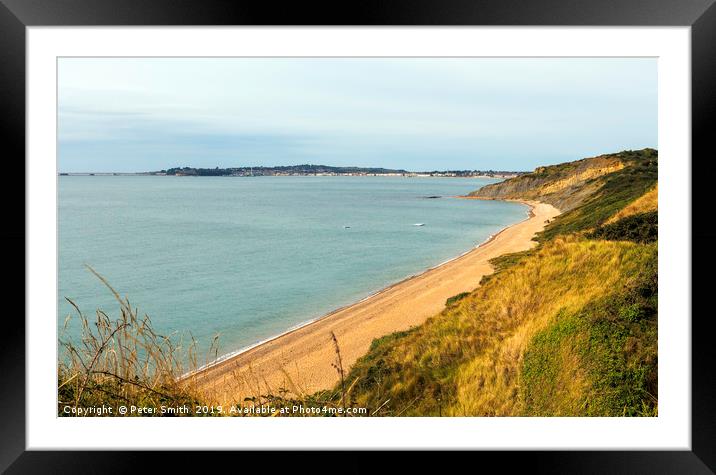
[[122, 361], [649, 201], [565, 276], [467, 360]]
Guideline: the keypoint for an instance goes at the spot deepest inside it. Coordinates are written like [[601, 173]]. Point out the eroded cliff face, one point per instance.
[[564, 186]]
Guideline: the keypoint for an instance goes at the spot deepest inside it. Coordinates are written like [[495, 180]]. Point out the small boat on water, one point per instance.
[[346, 227], [419, 224]]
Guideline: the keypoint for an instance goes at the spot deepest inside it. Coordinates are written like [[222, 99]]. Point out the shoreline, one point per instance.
[[240, 351], [232, 376]]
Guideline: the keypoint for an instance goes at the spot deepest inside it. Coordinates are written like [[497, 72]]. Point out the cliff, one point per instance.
[[568, 185]]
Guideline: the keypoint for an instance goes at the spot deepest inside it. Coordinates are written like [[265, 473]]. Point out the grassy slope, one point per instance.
[[644, 204], [469, 359], [599, 360], [566, 329]]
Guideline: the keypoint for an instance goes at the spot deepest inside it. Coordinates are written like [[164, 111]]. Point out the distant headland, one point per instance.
[[307, 170]]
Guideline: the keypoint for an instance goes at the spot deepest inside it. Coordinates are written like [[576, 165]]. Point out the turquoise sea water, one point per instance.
[[249, 258]]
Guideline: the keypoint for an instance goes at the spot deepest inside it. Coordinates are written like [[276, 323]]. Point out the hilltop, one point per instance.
[[568, 185]]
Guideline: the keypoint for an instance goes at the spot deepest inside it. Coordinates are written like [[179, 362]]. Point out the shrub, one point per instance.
[[642, 227]]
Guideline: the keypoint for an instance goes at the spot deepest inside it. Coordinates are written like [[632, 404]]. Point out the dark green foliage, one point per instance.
[[643, 227], [456, 298]]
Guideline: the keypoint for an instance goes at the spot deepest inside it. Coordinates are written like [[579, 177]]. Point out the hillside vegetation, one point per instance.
[[535, 333], [567, 329], [647, 203], [588, 192]]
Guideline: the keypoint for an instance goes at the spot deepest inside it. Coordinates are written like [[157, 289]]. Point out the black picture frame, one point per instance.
[[700, 15]]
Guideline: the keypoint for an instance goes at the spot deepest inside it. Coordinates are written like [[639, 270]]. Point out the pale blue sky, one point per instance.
[[140, 114]]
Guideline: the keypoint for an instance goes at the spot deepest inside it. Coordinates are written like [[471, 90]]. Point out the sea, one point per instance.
[[249, 258]]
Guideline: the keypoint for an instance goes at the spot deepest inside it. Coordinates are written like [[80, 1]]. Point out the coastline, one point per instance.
[[240, 351], [300, 359]]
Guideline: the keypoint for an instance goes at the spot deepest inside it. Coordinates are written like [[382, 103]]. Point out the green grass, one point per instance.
[[598, 361]]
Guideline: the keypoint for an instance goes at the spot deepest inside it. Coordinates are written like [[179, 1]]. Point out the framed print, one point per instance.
[[415, 228]]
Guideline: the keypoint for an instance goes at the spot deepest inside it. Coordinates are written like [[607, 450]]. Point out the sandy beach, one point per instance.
[[301, 360]]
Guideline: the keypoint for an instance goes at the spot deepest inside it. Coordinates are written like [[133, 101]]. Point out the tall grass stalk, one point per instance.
[[122, 361]]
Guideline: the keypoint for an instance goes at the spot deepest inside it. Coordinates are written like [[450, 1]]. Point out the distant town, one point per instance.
[[307, 170]]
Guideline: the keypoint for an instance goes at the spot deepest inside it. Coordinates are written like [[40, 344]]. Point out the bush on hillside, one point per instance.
[[642, 227]]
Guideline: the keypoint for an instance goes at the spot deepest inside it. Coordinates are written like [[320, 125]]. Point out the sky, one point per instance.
[[146, 114]]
